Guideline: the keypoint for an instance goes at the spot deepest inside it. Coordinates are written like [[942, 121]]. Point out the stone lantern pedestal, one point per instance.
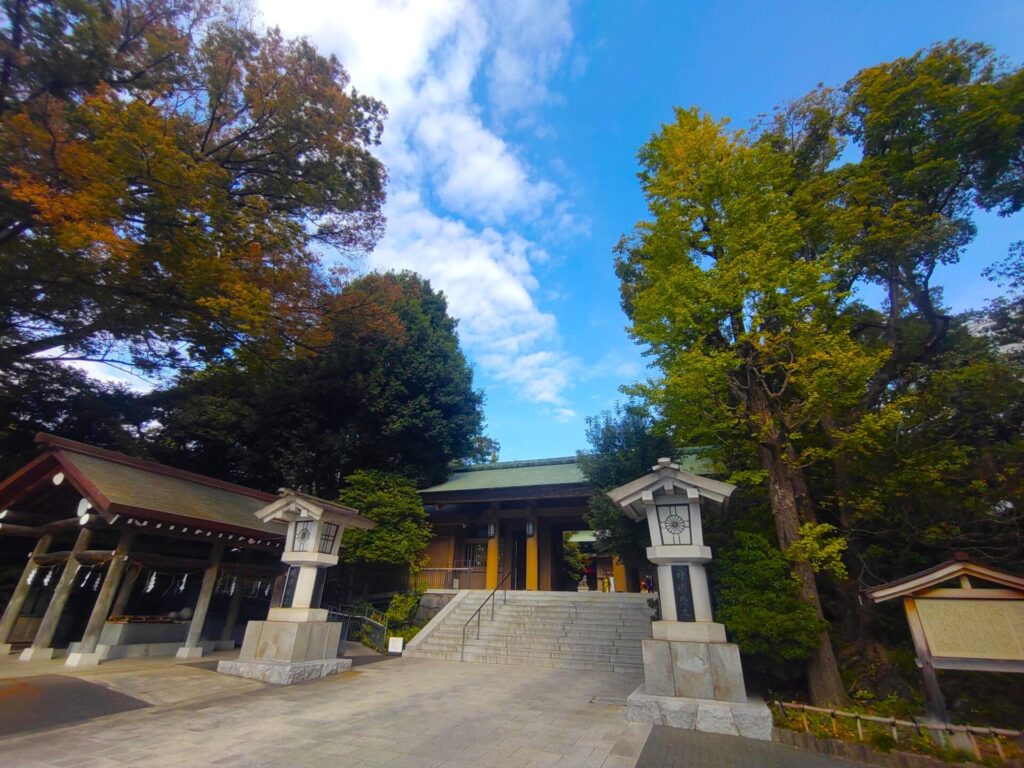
[[297, 642], [692, 676]]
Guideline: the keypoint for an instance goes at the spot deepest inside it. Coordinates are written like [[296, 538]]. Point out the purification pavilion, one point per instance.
[[121, 557]]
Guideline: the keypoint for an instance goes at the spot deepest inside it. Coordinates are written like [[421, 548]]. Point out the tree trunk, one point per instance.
[[788, 493]]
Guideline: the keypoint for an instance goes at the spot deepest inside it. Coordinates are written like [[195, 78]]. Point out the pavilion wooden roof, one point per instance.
[[116, 484]]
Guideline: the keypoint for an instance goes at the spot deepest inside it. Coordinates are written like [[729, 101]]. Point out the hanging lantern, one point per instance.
[[96, 582], [31, 577], [86, 579], [184, 581], [47, 577], [151, 582], [231, 591]]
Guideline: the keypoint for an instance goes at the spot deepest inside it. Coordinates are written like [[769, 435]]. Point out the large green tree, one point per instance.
[[740, 282], [169, 175], [392, 392]]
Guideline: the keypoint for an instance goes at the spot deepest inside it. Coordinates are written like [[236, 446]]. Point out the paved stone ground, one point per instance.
[[672, 748], [401, 712], [409, 712]]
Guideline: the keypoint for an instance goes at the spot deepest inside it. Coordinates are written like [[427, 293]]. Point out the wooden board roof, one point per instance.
[[939, 574]]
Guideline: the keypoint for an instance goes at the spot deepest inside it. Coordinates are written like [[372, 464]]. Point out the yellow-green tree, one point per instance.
[[168, 174], [745, 323], [741, 282]]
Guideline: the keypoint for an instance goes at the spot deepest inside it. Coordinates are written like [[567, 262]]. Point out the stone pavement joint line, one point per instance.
[[415, 712]]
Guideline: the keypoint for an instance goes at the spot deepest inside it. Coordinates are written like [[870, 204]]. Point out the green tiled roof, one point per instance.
[[513, 474]]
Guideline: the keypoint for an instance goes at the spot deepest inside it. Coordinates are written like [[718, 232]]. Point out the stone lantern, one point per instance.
[[692, 676], [297, 642]]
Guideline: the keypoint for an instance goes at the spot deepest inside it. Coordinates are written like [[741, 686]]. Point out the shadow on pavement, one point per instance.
[[46, 701], [676, 748]]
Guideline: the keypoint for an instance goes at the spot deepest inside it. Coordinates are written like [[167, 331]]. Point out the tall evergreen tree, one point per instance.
[[392, 392]]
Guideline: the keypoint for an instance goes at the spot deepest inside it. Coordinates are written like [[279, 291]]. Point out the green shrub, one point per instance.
[[759, 602], [402, 609]]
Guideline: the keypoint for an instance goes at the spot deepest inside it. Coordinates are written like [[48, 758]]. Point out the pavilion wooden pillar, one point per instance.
[[124, 593], [14, 605], [493, 555], [619, 574], [227, 633], [40, 648], [86, 655], [192, 648], [532, 560]]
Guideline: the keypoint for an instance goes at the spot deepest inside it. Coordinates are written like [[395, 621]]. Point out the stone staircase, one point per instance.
[[565, 630]]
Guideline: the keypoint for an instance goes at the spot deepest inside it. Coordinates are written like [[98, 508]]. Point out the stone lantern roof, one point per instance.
[[292, 505]]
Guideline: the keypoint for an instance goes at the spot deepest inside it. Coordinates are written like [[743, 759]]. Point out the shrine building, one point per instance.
[[508, 524]]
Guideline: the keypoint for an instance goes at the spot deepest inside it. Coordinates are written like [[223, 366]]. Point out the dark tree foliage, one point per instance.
[[624, 445], [392, 392], [67, 402]]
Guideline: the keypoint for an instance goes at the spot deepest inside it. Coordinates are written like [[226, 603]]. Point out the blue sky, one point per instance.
[[512, 145]]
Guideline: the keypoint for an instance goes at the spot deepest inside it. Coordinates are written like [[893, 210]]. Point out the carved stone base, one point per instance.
[[290, 641], [284, 673], [752, 720], [694, 670]]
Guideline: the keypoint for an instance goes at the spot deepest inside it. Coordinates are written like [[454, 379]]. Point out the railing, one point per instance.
[[346, 622], [361, 626], [502, 585], [447, 578], [891, 725]]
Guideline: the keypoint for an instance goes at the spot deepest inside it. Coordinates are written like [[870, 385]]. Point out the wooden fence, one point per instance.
[[979, 736]]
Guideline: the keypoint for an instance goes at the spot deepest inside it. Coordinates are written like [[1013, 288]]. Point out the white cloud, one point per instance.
[[565, 415], [111, 374], [476, 172], [532, 37], [487, 277], [460, 193]]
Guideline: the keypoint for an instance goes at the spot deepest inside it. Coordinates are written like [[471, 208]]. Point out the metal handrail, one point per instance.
[[476, 613]]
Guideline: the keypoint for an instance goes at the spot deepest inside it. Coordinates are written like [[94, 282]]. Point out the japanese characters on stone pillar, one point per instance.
[[692, 676], [297, 642]]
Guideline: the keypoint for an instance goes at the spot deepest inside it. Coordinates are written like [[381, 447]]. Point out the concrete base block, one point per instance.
[[224, 645], [189, 652], [81, 659], [5, 649], [284, 673], [689, 631], [139, 650], [750, 719], [32, 654], [297, 614]]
